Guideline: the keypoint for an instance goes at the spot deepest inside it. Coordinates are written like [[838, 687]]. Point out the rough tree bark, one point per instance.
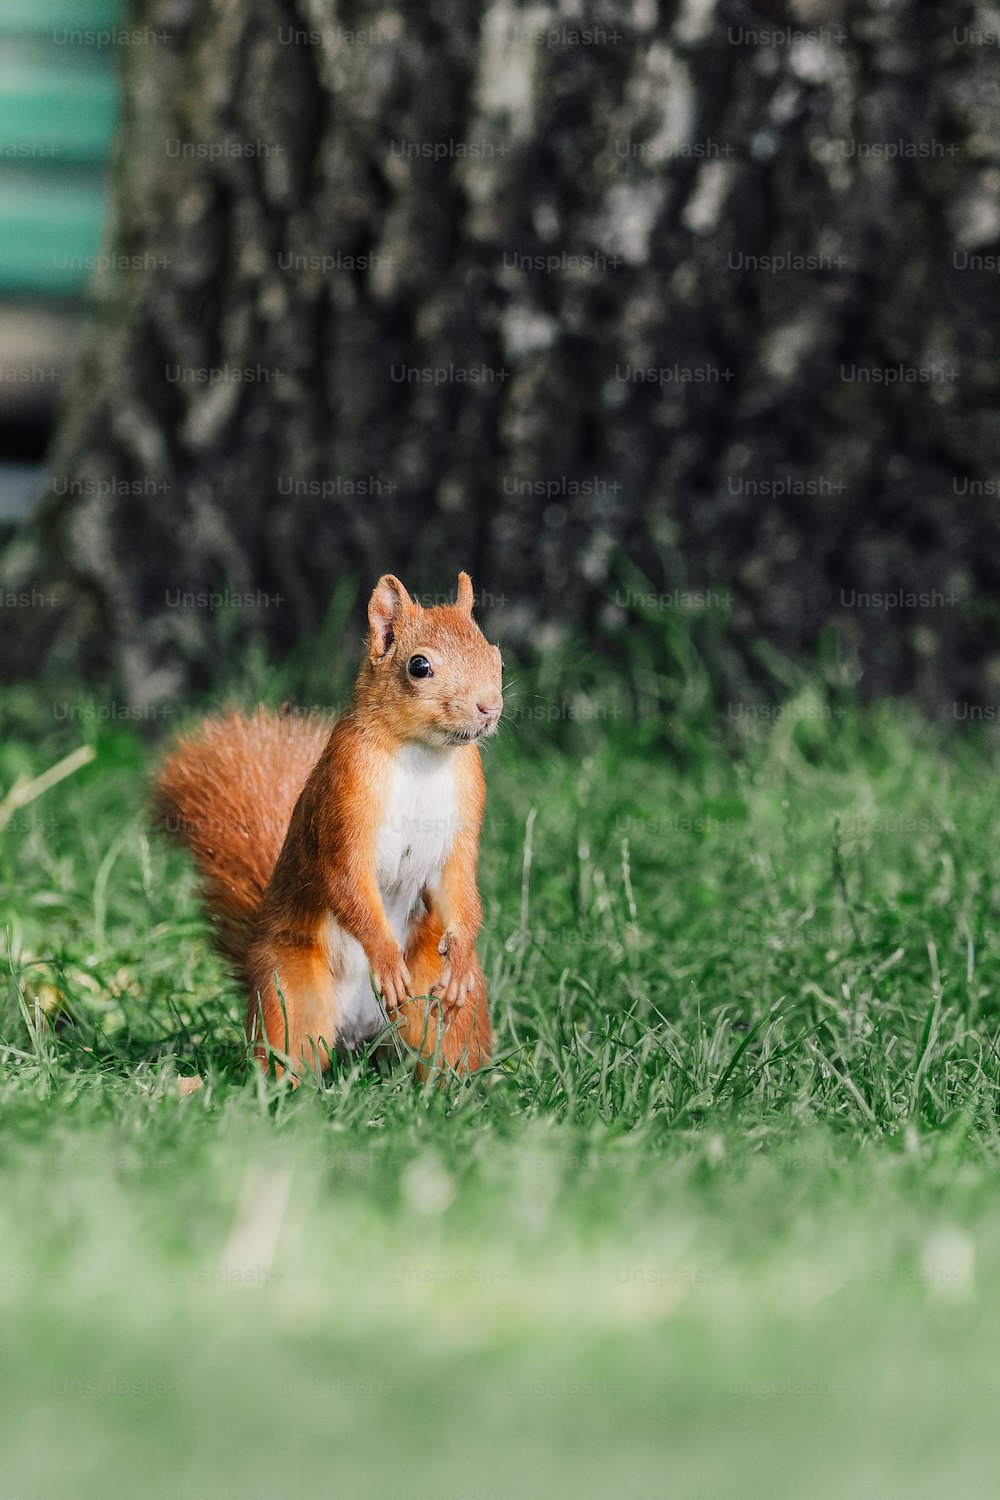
[[533, 204]]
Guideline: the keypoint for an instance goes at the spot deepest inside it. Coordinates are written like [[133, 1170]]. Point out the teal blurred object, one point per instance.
[[58, 98]]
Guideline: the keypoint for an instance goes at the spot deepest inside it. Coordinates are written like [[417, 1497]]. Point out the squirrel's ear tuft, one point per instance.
[[387, 607], [466, 598]]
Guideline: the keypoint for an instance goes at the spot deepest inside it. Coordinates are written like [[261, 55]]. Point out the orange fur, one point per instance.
[[287, 821], [227, 793], [462, 1040]]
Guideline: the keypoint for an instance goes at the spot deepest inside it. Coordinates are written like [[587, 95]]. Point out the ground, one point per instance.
[[722, 1222]]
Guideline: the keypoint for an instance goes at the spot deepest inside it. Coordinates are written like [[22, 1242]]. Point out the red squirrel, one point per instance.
[[339, 862]]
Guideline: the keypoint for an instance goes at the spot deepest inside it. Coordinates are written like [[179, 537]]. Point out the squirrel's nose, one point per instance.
[[489, 707]]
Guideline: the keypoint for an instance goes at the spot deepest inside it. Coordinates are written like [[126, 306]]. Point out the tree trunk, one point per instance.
[[601, 309]]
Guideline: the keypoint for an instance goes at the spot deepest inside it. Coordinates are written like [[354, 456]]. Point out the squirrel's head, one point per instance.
[[430, 675]]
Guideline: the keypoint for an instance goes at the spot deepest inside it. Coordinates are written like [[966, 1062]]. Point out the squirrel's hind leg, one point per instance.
[[447, 1039], [292, 1010]]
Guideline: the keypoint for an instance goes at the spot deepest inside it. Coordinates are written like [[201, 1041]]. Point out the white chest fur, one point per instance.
[[418, 829]]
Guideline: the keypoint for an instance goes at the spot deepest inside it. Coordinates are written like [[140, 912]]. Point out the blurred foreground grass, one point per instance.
[[722, 1222]]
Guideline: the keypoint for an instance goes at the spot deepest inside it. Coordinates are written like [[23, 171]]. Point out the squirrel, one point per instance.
[[337, 862]]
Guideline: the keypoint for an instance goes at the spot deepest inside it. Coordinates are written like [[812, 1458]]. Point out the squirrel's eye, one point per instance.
[[419, 666]]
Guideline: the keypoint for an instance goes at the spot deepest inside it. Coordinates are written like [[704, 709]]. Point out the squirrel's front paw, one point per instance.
[[392, 978], [460, 974]]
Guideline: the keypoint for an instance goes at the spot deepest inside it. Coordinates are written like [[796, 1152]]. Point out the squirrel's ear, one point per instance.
[[387, 606], [466, 598]]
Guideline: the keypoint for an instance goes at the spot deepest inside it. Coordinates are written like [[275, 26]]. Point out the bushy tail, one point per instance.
[[227, 792]]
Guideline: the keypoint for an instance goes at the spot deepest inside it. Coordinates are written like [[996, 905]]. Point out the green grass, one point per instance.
[[722, 1222]]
